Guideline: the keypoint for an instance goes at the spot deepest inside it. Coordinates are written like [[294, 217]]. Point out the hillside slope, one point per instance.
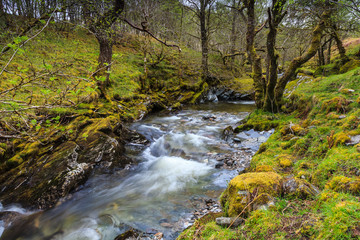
[[304, 182]]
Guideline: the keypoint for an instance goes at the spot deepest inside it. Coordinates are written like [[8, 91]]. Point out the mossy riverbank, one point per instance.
[[315, 156]]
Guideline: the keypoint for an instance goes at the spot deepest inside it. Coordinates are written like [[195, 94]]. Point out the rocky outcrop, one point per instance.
[[47, 172]]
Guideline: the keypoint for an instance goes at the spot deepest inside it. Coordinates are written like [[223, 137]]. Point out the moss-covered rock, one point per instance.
[[337, 104], [257, 188], [264, 168], [341, 138], [293, 129], [299, 188], [285, 161], [40, 174], [344, 184]]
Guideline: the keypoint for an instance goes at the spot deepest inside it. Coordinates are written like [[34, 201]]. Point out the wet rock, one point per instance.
[[7, 217], [244, 188], [209, 117], [236, 160], [28, 226], [229, 221], [131, 234], [159, 236], [227, 133], [299, 187], [166, 225], [219, 165]]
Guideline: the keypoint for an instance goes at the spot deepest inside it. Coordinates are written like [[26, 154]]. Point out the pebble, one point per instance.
[[166, 225]]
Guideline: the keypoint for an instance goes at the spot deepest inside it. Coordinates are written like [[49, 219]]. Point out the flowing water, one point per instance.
[[173, 170]]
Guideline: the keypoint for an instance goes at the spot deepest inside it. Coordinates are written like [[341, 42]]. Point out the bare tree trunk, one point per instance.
[[298, 61], [104, 62]]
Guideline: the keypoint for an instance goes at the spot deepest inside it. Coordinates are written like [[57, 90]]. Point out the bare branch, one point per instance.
[[151, 34]]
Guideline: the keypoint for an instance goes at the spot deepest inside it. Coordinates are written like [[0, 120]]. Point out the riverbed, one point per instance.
[[174, 172]]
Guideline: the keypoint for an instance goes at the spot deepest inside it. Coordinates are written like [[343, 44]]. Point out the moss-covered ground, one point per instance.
[[312, 141]]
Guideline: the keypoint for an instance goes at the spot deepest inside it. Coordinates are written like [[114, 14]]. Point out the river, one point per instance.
[[158, 194]]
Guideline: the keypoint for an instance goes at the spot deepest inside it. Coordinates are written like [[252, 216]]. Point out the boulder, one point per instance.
[[255, 189]]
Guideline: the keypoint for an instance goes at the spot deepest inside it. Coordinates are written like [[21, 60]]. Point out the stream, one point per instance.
[[176, 173]]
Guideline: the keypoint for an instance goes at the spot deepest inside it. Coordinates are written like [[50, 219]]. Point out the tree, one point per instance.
[[276, 14], [101, 26], [298, 61], [253, 57], [203, 9]]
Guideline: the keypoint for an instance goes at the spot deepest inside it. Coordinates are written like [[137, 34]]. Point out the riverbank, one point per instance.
[[304, 182]]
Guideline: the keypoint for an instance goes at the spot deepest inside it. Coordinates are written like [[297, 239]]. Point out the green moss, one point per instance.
[[350, 65], [2, 153], [264, 168], [237, 195], [197, 96], [337, 104], [341, 138], [294, 129], [14, 161], [262, 224], [285, 161], [344, 184], [340, 216]]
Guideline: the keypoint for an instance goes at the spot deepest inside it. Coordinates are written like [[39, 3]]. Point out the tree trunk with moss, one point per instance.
[[339, 44], [254, 58], [275, 17], [204, 38], [299, 61]]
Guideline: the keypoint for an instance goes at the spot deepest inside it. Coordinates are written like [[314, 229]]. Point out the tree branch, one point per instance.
[[151, 34]]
